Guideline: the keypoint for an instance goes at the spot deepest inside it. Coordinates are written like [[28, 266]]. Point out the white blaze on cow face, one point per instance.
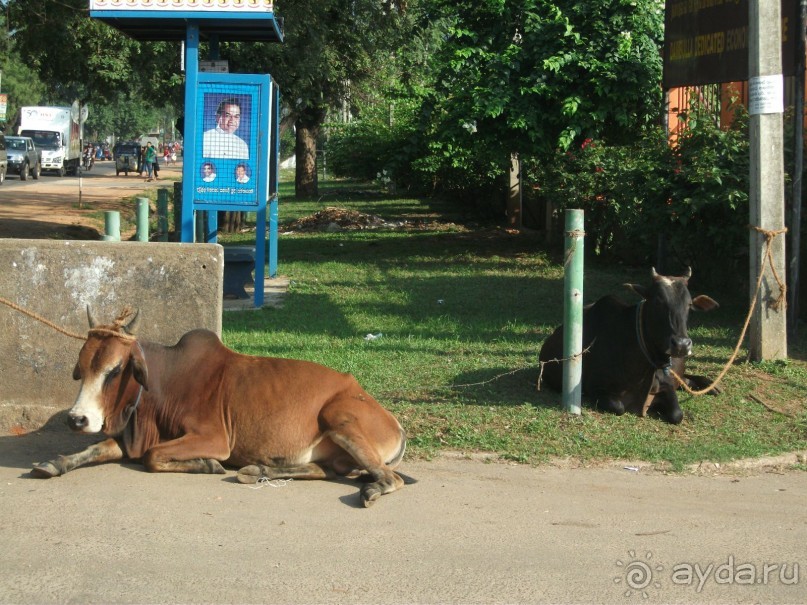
[[87, 414]]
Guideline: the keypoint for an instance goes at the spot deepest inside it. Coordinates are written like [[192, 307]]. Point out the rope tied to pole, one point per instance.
[[574, 235], [573, 357], [769, 237]]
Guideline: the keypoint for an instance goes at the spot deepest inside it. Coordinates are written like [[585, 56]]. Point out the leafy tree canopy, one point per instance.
[[19, 82], [76, 57], [530, 76]]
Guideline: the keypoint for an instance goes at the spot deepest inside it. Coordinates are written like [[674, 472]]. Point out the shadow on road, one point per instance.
[[46, 443]]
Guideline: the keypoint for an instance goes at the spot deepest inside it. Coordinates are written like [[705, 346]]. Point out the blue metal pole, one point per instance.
[[273, 233], [260, 256], [189, 131], [573, 312], [274, 176]]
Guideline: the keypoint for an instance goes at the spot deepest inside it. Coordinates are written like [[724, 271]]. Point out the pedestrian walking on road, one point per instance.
[[149, 159]]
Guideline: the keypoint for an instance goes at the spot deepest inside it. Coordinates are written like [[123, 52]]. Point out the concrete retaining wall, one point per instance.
[[177, 287]]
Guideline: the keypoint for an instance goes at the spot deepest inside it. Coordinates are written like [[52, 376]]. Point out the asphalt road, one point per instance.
[[460, 531]]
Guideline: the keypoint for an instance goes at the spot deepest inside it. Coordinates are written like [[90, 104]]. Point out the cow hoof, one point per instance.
[[249, 474], [215, 467], [45, 470], [369, 494], [614, 406], [675, 417]]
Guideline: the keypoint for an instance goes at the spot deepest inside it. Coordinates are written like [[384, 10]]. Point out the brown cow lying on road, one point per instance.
[[189, 407]]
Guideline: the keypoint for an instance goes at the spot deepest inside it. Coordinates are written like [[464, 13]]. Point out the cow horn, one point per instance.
[[134, 323], [91, 318], [688, 274], [653, 273]]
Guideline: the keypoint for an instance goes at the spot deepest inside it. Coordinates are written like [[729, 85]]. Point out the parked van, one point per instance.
[[3, 158]]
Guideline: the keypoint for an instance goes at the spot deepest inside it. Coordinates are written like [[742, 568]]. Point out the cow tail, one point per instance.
[[396, 459]]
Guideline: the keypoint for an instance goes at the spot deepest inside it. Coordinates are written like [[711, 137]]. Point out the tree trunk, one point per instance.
[[231, 221], [514, 218], [308, 125]]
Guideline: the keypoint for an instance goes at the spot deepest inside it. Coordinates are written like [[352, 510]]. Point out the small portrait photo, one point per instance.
[[226, 126], [242, 173], [208, 172]]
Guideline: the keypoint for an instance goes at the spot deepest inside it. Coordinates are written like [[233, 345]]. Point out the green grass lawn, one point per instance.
[[462, 308]]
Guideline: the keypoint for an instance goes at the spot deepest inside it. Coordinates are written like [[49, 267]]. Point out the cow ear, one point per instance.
[[139, 369], [76, 373], [704, 303], [640, 290]]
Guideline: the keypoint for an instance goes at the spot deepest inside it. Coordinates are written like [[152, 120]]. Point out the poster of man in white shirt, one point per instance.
[[223, 141]]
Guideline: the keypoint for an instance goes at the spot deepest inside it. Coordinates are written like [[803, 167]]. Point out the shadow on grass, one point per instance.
[[504, 387]]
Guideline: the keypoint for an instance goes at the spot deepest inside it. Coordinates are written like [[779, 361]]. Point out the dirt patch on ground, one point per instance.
[[72, 207]]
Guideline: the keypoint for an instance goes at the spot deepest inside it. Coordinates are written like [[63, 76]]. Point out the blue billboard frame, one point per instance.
[[233, 141], [207, 97]]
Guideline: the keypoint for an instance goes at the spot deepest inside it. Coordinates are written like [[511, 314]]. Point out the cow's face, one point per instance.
[[112, 370], [666, 312]]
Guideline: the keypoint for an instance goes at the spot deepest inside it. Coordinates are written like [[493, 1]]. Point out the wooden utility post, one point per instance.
[[768, 329], [798, 166]]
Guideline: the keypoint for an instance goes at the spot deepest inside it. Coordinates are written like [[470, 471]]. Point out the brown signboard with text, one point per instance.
[[706, 41]]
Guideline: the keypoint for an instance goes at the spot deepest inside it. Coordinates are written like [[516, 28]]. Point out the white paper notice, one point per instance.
[[766, 94]]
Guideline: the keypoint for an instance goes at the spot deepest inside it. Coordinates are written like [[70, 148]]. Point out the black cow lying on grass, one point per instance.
[[629, 349]]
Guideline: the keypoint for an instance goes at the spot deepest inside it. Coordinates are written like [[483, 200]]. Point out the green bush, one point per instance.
[[707, 215], [693, 195], [378, 146], [616, 186]]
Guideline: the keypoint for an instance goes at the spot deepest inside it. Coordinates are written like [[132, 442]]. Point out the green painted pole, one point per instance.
[[573, 312], [162, 215], [111, 226], [142, 219]]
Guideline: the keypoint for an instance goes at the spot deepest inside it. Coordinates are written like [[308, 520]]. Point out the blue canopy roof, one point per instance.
[[155, 24]]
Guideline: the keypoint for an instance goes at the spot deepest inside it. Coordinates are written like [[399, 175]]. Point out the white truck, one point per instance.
[[57, 134]]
